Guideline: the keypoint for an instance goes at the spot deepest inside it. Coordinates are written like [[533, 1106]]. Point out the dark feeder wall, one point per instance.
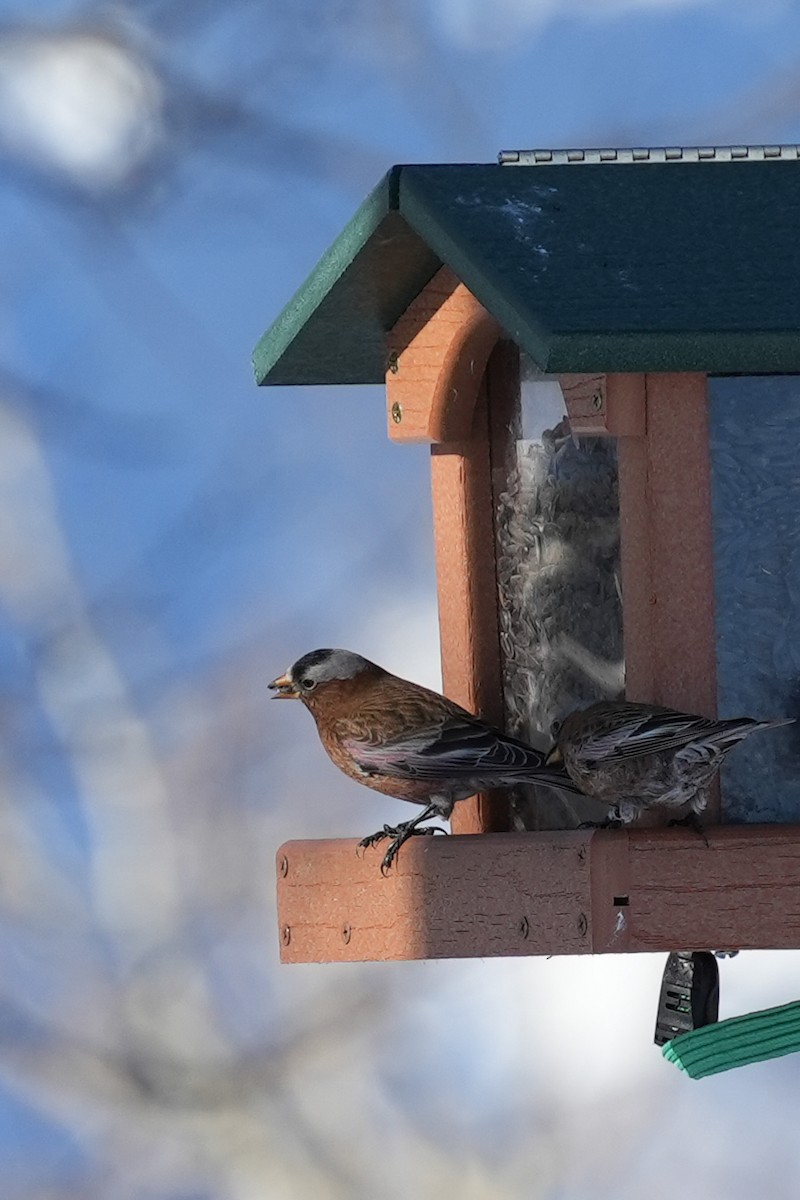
[[755, 491]]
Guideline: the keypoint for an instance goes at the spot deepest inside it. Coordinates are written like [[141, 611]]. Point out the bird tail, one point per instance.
[[553, 777], [728, 733]]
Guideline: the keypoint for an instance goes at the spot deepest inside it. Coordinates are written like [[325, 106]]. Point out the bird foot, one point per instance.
[[612, 821], [398, 834], [691, 821]]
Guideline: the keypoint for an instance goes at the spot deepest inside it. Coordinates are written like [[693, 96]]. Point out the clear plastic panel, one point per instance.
[[557, 525], [755, 473]]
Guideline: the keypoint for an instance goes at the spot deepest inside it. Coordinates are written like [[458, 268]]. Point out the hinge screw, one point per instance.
[[597, 401], [284, 866], [286, 935], [393, 362], [583, 924], [397, 413], [346, 934]]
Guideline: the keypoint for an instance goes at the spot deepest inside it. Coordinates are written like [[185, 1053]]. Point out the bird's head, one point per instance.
[[318, 672], [555, 758]]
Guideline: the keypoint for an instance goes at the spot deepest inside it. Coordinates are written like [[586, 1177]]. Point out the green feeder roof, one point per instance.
[[591, 266]]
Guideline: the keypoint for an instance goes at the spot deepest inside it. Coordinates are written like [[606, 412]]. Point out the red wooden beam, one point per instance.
[[605, 404], [438, 351], [667, 549], [436, 391], [564, 892]]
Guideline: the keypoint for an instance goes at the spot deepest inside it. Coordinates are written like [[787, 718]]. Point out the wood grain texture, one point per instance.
[[542, 893], [682, 562], [636, 569], [438, 351], [497, 894], [611, 405], [463, 520], [741, 892], [585, 399], [666, 552], [667, 549]]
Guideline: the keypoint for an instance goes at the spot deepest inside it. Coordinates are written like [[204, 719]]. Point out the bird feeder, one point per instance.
[[603, 351]]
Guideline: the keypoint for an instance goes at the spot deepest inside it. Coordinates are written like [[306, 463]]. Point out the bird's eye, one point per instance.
[[308, 685]]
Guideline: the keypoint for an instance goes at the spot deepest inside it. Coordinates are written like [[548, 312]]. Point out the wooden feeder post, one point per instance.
[[659, 300]]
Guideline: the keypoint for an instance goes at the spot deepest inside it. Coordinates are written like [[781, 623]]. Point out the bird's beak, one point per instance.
[[284, 689], [555, 758]]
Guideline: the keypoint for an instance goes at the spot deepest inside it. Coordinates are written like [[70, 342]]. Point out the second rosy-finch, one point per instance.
[[639, 756]]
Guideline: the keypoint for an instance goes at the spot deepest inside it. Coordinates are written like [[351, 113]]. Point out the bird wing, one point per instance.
[[454, 748], [631, 731]]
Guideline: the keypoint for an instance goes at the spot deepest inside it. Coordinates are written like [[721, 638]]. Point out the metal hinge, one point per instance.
[[682, 154]]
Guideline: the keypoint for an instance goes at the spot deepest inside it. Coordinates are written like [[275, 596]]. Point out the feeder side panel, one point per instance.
[[755, 470]]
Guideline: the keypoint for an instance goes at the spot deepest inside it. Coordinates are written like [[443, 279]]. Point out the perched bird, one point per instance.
[[639, 756], [405, 740]]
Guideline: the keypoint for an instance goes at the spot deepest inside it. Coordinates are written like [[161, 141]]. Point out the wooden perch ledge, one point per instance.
[[571, 892]]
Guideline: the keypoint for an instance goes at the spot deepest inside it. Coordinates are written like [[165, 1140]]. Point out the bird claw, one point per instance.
[[388, 831], [390, 856], [399, 834], [691, 821], [612, 821]]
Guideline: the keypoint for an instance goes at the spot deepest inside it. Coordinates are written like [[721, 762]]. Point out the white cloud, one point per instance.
[[402, 635], [78, 104]]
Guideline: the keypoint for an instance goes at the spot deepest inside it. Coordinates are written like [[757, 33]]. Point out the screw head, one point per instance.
[[397, 413], [283, 866], [583, 924], [393, 362], [346, 934], [597, 401], [523, 926], [286, 935]]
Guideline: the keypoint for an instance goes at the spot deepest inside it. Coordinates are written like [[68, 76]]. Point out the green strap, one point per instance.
[[737, 1041]]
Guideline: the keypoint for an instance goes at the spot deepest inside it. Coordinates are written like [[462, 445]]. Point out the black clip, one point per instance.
[[689, 994]]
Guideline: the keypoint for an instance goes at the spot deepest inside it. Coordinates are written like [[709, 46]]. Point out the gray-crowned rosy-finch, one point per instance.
[[638, 756], [407, 741]]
